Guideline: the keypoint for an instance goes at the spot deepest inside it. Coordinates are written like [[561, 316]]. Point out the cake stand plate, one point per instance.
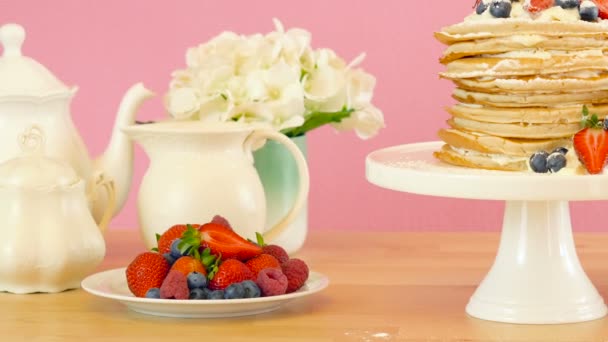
[[536, 277]]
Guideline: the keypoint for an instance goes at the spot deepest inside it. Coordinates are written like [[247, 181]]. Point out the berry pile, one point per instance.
[[211, 261], [589, 10]]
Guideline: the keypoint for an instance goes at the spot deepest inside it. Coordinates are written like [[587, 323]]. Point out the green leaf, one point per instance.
[[155, 249], [590, 122], [260, 239], [316, 120], [157, 237], [213, 268], [190, 242]]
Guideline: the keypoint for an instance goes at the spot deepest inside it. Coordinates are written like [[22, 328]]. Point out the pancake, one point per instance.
[[497, 66], [534, 115], [535, 85], [519, 42], [530, 100], [481, 161], [522, 131], [498, 27], [496, 145]]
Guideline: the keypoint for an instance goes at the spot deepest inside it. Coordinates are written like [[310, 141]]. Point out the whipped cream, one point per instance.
[[500, 159], [546, 54]]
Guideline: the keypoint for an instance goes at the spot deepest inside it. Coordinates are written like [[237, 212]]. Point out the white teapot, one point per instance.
[[50, 240], [30, 95]]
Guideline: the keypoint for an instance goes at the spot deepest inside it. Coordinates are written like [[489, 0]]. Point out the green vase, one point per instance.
[[279, 175]]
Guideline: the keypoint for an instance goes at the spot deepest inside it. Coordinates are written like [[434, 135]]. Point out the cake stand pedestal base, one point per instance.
[[536, 277]]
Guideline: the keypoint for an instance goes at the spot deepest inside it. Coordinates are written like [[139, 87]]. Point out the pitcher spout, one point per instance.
[[117, 160]]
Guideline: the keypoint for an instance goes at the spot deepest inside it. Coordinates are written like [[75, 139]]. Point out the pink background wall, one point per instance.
[[105, 46]]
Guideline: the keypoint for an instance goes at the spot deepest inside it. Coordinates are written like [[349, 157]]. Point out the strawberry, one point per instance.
[[187, 264], [591, 143], [534, 6], [164, 241], [146, 271], [602, 6], [261, 262], [225, 242], [229, 272]]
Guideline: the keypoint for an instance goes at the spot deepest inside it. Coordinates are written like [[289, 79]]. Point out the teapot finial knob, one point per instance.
[[12, 37]]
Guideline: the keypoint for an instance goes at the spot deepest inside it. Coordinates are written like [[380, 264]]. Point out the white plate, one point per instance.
[[112, 284]]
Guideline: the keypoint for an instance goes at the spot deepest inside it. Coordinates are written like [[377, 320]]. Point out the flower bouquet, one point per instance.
[[275, 79]]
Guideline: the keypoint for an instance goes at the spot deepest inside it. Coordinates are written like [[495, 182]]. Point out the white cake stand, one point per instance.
[[536, 277]]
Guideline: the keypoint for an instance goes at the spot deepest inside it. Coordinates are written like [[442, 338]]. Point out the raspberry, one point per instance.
[[277, 252], [272, 282], [175, 286], [296, 272], [217, 219]]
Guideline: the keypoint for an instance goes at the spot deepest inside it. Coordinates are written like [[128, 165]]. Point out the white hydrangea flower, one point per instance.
[[366, 122], [275, 79]]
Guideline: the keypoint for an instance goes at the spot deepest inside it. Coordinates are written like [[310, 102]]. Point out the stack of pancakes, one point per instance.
[[521, 84]]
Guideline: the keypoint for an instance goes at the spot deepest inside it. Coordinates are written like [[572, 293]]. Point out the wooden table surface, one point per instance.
[[383, 287]]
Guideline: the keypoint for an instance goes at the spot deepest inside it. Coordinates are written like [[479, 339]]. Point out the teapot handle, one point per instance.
[[256, 139], [108, 185]]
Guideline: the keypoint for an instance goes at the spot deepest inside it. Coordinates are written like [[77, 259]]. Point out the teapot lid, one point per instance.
[[21, 75], [33, 170]]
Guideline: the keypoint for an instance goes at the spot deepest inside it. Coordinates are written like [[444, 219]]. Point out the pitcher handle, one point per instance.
[[304, 181], [108, 184]]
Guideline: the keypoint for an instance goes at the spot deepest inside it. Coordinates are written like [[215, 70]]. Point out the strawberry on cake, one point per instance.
[[523, 71]]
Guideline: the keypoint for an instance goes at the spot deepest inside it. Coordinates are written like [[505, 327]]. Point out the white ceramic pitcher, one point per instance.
[[199, 170]]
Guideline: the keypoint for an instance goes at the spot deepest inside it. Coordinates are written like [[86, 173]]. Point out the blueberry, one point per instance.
[[538, 162], [605, 123], [500, 8], [196, 280], [588, 11], [170, 259], [153, 293], [567, 3], [175, 250], [217, 294], [556, 161], [481, 7], [198, 294], [234, 291], [251, 289], [561, 150]]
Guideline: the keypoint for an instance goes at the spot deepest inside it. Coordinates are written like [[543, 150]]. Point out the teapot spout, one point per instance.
[[117, 160]]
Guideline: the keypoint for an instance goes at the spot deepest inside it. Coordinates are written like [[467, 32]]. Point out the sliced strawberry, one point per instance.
[[224, 241], [602, 6], [591, 146], [535, 6], [477, 2]]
